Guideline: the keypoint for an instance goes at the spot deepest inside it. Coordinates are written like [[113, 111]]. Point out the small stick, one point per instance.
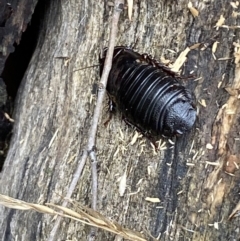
[[90, 148]]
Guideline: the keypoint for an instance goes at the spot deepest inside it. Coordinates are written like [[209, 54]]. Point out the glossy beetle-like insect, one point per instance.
[[148, 94]]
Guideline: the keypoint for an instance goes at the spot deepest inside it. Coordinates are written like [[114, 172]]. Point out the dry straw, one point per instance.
[[84, 215]]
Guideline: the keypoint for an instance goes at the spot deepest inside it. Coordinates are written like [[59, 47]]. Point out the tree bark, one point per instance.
[[198, 186]]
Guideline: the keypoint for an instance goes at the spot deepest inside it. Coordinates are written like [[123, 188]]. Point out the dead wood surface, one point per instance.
[[198, 187], [14, 18]]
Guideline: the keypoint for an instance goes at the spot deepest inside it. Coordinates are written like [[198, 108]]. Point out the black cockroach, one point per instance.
[[148, 94]]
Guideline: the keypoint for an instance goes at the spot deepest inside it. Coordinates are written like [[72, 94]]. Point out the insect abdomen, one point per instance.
[[148, 96]]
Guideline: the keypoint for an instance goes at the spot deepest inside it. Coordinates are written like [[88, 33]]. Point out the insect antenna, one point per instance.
[[88, 67]]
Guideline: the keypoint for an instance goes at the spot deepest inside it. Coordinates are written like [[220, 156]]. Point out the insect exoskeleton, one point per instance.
[[148, 94]]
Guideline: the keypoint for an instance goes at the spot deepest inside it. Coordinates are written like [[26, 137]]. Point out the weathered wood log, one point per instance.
[[14, 19], [197, 184]]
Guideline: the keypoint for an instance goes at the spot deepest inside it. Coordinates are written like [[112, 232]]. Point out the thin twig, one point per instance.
[[93, 158], [90, 148]]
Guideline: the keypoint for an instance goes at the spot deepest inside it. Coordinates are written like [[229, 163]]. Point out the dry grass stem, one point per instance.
[[83, 214]]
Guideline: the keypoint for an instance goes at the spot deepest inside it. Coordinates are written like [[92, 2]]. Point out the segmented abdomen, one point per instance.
[[148, 95]]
